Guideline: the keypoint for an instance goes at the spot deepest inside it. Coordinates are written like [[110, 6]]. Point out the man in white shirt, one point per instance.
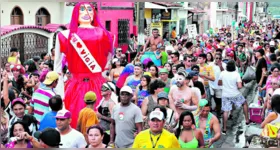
[[216, 91], [70, 138]]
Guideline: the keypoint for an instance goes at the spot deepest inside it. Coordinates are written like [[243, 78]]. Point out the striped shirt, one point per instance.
[[40, 102]]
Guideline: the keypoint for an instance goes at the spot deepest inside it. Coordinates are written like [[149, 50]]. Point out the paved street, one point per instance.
[[236, 128]]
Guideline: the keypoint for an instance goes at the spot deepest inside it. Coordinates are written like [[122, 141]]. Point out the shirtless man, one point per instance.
[[181, 96], [155, 39], [208, 123]]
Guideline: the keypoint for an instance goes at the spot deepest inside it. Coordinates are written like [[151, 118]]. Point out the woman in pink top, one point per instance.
[[274, 75]]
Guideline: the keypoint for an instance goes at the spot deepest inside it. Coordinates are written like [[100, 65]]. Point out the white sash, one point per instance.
[[83, 52]]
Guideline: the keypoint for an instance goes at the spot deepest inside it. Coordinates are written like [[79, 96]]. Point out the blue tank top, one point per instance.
[[133, 83], [141, 95]]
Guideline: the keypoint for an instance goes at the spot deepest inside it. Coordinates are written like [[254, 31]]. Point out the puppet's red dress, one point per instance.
[[83, 80]]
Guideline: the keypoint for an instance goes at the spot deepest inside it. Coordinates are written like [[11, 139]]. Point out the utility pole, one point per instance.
[[236, 11], [140, 23]]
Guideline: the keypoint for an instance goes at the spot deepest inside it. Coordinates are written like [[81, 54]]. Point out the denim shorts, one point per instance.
[[227, 102]]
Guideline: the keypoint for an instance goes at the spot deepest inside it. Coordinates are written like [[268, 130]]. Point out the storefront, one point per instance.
[[161, 15]]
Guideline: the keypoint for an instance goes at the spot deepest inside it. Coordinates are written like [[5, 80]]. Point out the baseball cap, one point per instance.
[[148, 74], [36, 58], [184, 73], [126, 89], [162, 95], [193, 73], [203, 102], [49, 136], [109, 86], [63, 114], [90, 97], [157, 114], [272, 43], [163, 70], [115, 60], [51, 76], [19, 100]]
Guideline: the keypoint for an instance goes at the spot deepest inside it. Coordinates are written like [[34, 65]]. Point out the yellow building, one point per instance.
[[162, 15]]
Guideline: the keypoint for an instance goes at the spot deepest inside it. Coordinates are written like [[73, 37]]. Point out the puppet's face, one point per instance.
[[85, 14]]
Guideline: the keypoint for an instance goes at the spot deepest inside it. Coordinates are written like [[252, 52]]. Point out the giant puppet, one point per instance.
[[87, 47]]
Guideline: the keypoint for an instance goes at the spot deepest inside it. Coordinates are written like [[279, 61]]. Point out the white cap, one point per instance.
[[115, 60], [272, 43], [156, 114], [126, 89]]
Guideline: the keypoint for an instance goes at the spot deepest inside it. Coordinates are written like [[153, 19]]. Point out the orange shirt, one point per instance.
[[87, 118], [173, 34]]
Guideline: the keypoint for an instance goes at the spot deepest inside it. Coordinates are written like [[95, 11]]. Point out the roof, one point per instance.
[[54, 27], [168, 4], [48, 28]]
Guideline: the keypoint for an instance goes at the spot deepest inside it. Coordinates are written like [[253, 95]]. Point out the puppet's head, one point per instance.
[[84, 12]]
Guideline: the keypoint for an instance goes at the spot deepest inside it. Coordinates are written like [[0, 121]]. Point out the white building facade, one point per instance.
[[34, 13]]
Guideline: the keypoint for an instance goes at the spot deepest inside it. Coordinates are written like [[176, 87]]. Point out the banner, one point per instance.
[[192, 30]]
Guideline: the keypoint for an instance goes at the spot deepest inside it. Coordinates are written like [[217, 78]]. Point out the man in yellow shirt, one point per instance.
[[156, 136], [206, 72], [87, 116]]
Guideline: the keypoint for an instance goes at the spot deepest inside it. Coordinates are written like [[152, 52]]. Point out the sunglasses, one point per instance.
[[219, 58], [58, 119], [138, 65]]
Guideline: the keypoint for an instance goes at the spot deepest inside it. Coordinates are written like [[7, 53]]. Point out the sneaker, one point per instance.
[[224, 132]]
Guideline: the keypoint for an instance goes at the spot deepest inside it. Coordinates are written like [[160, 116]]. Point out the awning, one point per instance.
[[196, 11], [149, 5]]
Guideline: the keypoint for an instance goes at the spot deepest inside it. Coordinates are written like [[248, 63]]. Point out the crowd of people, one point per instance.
[[183, 102]]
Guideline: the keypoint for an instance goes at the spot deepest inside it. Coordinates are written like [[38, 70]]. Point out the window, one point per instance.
[[16, 16], [123, 31], [42, 17], [108, 25]]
